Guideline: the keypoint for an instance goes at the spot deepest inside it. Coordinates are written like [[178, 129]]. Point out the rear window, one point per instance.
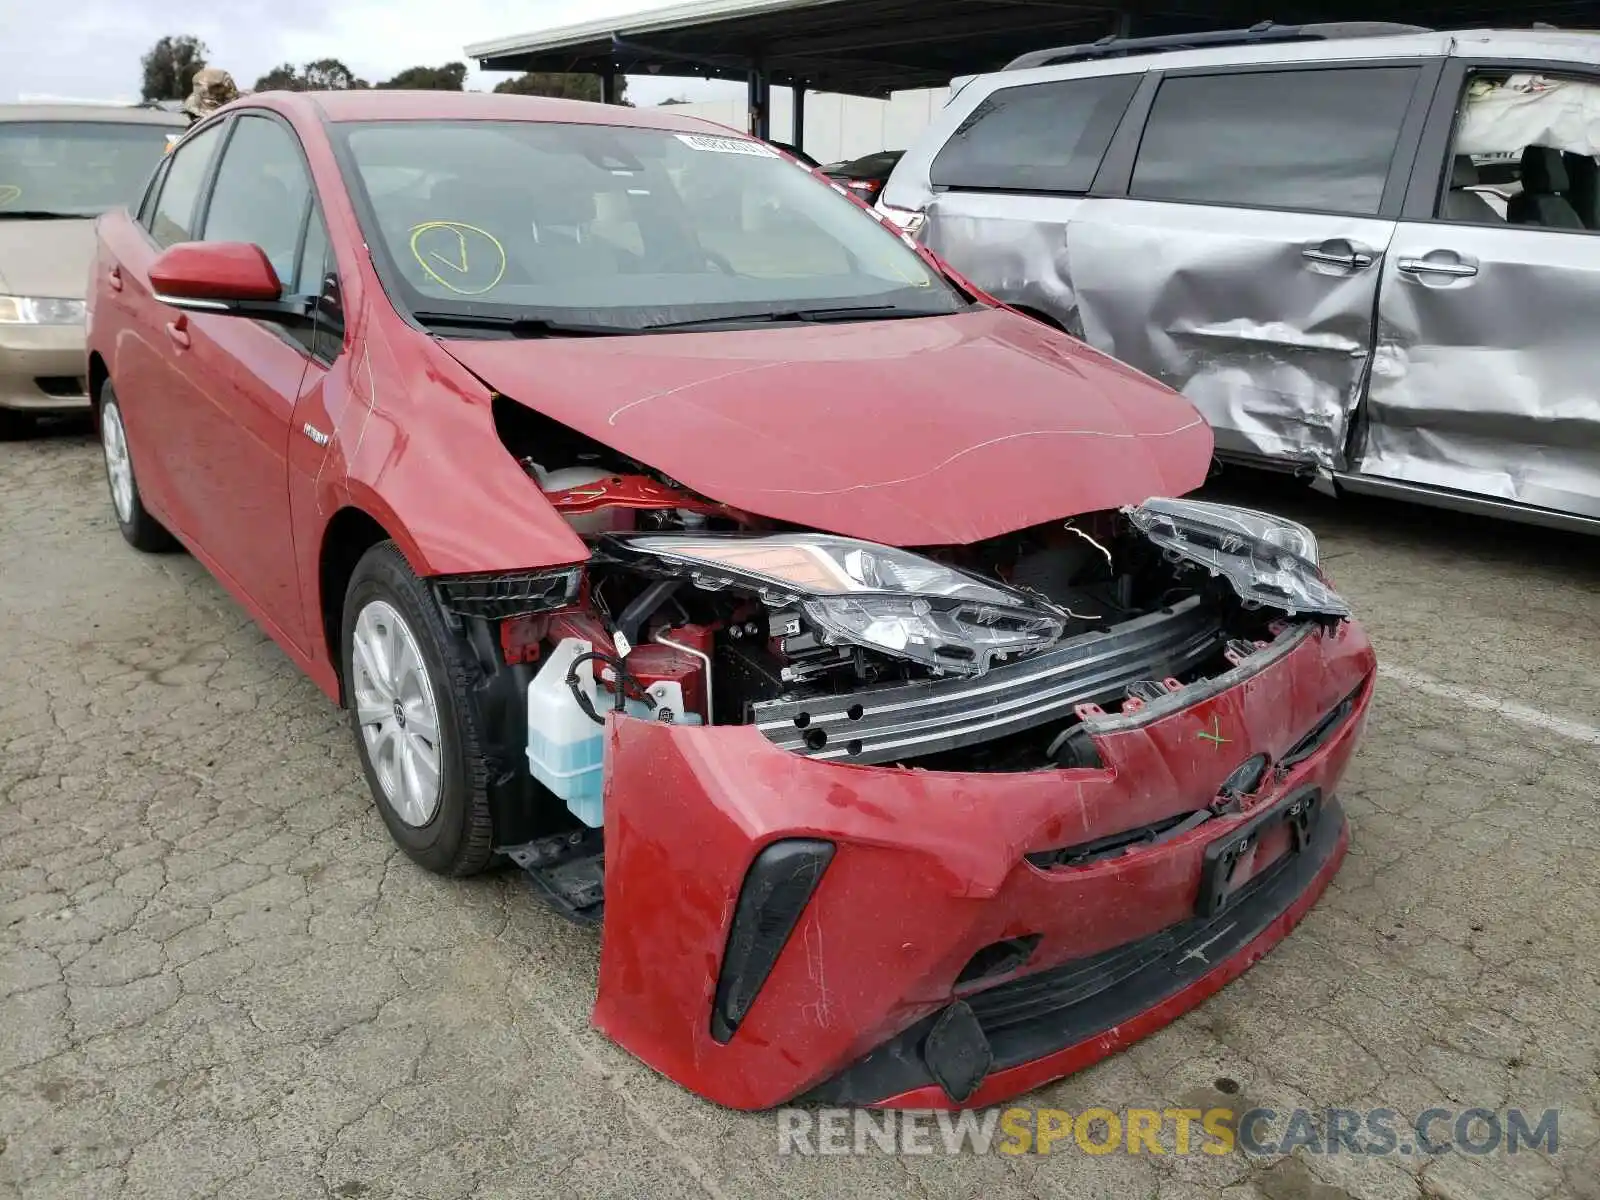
[[1319, 140], [1045, 137]]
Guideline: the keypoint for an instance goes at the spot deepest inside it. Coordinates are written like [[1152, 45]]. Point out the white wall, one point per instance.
[[837, 127]]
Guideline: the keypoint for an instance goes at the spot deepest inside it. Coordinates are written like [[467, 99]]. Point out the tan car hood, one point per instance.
[[46, 258]]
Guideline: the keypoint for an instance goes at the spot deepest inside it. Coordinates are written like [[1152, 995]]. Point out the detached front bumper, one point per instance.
[[943, 958], [42, 368]]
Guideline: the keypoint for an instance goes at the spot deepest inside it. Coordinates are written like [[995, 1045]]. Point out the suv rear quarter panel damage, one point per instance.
[[929, 869]]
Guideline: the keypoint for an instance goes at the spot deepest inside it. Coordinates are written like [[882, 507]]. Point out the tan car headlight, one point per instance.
[[40, 310]]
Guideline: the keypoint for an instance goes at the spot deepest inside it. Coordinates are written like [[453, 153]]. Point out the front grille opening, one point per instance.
[[998, 958], [61, 386], [1121, 843]]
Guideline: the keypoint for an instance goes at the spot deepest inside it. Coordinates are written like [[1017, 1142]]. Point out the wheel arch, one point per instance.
[[349, 534], [99, 376]]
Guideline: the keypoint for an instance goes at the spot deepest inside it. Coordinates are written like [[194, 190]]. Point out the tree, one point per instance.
[[282, 78], [330, 75], [170, 67], [451, 77], [561, 84], [323, 75]]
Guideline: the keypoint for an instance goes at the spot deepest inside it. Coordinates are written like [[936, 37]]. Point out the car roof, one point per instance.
[[1581, 46], [378, 104], [121, 114]]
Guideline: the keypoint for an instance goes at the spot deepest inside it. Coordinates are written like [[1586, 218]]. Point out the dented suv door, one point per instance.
[[1222, 228], [1239, 259]]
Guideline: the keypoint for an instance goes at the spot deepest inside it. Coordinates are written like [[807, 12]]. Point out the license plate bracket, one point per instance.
[[1233, 860]]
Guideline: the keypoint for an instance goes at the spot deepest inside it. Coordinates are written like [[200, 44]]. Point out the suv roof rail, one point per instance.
[[1112, 46]]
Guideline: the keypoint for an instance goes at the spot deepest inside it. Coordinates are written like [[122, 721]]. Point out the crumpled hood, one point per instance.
[[46, 258], [916, 432]]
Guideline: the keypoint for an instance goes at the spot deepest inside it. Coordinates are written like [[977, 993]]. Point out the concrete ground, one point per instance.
[[219, 978]]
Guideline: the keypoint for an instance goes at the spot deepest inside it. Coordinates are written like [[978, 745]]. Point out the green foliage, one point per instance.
[[170, 67]]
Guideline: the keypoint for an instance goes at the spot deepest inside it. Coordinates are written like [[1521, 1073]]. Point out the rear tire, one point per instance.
[[139, 528], [415, 724]]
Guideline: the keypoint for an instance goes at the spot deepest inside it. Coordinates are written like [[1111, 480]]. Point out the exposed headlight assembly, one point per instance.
[[40, 310], [863, 594], [1268, 560]]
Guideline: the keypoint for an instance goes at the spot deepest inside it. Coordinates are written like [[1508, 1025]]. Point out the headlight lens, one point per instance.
[[868, 595], [1269, 560], [39, 310]]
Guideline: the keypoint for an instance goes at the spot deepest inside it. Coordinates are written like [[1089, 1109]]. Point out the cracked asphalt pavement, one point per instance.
[[219, 978]]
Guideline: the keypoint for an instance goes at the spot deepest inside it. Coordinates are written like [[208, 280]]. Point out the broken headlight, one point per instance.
[[863, 594], [1268, 560]]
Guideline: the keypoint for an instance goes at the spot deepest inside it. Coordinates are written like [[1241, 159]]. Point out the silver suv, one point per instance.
[[1368, 254]]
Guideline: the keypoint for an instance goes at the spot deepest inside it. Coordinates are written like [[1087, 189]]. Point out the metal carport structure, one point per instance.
[[876, 47]]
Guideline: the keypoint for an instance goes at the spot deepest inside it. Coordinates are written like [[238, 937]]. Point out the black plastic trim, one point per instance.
[[777, 888], [1036, 1015]]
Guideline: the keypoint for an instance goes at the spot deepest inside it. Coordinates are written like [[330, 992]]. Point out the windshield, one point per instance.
[[73, 168], [620, 229]]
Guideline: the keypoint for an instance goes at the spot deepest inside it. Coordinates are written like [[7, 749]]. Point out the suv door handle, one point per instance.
[[1427, 266], [114, 277], [178, 331], [1351, 258]]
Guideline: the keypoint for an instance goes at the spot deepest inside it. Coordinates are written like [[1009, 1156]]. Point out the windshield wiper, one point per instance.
[[42, 214], [517, 327], [857, 312]]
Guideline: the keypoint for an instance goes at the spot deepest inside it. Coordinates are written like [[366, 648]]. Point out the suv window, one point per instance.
[[1519, 157], [261, 193], [1320, 140], [173, 220], [1045, 137]]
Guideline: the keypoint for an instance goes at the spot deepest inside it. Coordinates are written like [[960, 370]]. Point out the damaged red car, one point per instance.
[[675, 530]]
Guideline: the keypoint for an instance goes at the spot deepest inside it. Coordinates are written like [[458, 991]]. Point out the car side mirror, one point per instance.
[[220, 277]]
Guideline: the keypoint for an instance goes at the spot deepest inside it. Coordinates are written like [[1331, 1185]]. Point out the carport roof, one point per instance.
[[865, 47], [874, 47]]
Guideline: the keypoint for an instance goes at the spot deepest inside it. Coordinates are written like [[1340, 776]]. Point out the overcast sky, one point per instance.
[[90, 49]]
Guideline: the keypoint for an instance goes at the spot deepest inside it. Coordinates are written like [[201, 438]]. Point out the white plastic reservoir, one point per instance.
[[566, 750]]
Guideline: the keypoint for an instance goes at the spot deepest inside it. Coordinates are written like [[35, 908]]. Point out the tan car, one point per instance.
[[61, 166]]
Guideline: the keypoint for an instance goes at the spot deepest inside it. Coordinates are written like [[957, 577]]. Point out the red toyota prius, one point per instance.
[[675, 530]]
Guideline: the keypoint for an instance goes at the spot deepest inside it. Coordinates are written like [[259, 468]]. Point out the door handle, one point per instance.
[[1424, 266], [178, 331], [114, 277], [1355, 260]]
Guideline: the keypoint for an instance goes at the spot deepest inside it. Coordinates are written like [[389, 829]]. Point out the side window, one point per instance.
[[174, 218], [1525, 154], [261, 193], [1319, 140], [1045, 137], [307, 277], [147, 205], [317, 276]]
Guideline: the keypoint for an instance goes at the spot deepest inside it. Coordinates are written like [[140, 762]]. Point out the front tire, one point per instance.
[[415, 725], [139, 528]]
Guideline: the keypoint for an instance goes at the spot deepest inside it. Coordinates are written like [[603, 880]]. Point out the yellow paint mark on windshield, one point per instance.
[[9, 192], [459, 257]]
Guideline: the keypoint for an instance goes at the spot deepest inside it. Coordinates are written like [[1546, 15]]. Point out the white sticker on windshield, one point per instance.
[[726, 145]]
